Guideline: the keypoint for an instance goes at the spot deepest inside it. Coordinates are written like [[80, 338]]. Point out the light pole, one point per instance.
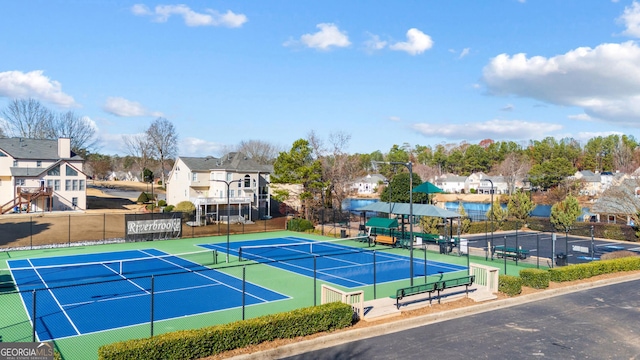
[[491, 214], [409, 166], [228, 183]]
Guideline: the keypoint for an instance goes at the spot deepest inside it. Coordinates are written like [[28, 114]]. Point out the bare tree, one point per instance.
[[338, 167], [514, 167], [260, 151], [139, 147], [162, 138], [27, 118], [79, 129]]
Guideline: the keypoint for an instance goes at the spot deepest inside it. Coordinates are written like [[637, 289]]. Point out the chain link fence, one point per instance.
[[68, 229]]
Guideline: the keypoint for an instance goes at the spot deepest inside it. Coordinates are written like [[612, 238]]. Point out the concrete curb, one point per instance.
[[342, 337]]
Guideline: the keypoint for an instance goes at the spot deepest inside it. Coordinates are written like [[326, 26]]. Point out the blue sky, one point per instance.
[[384, 72]]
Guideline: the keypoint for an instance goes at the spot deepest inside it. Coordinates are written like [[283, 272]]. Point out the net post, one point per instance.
[[240, 254], [315, 279], [215, 256]]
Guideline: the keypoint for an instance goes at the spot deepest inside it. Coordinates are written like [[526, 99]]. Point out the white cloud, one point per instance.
[[417, 42], [328, 36], [464, 53], [33, 84], [580, 117], [191, 18], [374, 43], [508, 107], [492, 129], [197, 147], [394, 118], [603, 81], [126, 108], [631, 20]]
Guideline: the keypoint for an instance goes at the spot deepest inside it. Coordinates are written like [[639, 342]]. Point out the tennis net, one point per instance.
[[293, 250], [25, 274]]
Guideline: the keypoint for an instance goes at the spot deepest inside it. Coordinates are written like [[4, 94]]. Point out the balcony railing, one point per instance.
[[220, 201]]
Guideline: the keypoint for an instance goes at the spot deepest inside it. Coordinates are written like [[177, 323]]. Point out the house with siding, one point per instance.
[[368, 185], [39, 175], [450, 183], [230, 188]]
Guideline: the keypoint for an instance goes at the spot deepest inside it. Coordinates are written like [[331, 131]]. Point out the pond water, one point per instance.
[[351, 204], [478, 211]]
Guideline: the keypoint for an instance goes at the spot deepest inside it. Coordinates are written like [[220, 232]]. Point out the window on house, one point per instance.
[[247, 181], [50, 183], [54, 171], [74, 202], [611, 219], [194, 176], [71, 171], [229, 176], [231, 193], [2, 154], [81, 185], [67, 185], [19, 182], [75, 185], [38, 163], [15, 163], [56, 185]]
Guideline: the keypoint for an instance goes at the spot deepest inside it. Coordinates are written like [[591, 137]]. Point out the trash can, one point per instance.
[[443, 247], [343, 233], [561, 259]]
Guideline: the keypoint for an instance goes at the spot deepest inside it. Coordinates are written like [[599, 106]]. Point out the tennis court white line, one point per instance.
[[204, 276], [55, 299], [138, 295], [308, 269], [128, 280]]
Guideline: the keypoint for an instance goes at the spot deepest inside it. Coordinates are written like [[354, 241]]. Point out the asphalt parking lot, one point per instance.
[[549, 245], [597, 323]]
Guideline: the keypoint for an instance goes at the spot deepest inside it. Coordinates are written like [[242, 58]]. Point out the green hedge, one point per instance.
[[194, 344], [509, 285], [299, 225], [587, 270], [535, 278]]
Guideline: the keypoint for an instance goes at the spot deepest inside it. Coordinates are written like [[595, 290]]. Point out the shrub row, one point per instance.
[[587, 270], [300, 225], [194, 344], [509, 285], [535, 278]]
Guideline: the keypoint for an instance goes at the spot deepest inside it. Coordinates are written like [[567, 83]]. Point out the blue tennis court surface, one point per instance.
[[73, 305], [338, 264]]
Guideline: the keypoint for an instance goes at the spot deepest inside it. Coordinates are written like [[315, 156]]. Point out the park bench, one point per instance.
[[436, 286], [508, 252], [384, 239]]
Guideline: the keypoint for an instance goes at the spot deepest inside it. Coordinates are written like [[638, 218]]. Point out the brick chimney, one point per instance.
[[64, 148]]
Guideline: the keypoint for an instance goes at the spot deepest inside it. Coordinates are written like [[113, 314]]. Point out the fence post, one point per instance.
[[538, 247], [374, 275], [504, 256], [33, 316], [152, 302], [315, 279], [244, 282]]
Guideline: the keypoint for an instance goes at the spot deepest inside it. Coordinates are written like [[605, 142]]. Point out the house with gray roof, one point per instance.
[[229, 188], [40, 175], [619, 204]]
